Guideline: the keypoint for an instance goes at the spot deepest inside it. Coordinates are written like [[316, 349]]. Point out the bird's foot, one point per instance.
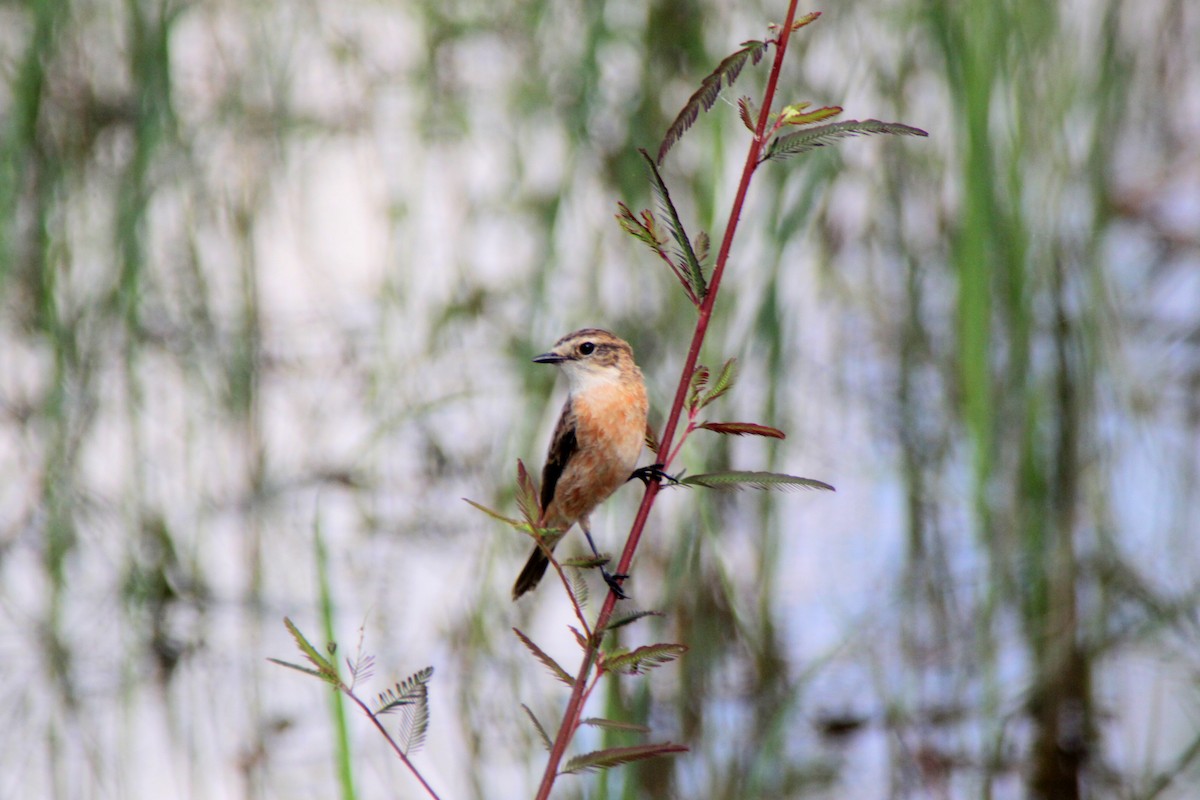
[[654, 472], [613, 579]]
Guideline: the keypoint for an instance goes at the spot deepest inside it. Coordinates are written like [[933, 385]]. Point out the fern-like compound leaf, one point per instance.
[[710, 89], [580, 639], [723, 383], [538, 727], [805, 20], [298, 668], [362, 667], [699, 380], [614, 725], [800, 115], [579, 588], [684, 251], [587, 562], [557, 671], [409, 698], [748, 113], [496, 515], [325, 669], [615, 756], [527, 495], [753, 480], [744, 429], [635, 662], [621, 620], [808, 139], [644, 229]]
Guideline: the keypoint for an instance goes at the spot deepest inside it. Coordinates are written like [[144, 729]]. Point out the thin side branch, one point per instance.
[[395, 746]]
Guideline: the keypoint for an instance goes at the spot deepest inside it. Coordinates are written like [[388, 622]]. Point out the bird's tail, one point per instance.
[[534, 569]]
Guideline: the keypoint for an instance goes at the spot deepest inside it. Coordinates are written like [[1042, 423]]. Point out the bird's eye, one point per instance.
[[587, 348]]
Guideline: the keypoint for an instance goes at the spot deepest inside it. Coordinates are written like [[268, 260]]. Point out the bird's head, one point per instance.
[[590, 356]]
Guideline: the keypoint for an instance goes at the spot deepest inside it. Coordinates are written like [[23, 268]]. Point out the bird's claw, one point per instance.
[[654, 472], [614, 583]]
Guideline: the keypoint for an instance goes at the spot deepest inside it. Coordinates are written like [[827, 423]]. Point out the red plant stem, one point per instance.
[[571, 716], [752, 160]]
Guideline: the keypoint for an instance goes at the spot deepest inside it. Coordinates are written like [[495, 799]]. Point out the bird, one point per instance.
[[596, 443]]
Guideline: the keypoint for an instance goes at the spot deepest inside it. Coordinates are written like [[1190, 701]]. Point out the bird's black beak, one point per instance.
[[549, 358]]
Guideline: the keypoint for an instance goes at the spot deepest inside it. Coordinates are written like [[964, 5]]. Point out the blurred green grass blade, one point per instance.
[[337, 701]]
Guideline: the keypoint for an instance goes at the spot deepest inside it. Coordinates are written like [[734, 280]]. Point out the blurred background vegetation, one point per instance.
[[274, 268]]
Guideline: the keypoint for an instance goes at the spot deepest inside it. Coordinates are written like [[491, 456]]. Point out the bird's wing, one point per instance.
[[562, 447]]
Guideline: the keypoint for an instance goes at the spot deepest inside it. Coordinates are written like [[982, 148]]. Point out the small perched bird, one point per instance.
[[597, 440]]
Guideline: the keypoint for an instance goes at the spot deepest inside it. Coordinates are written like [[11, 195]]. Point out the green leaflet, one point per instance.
[[587, 562], [538, 726], [754, 480], [684, 251], [634, 662], [614, 725], [633, 616], [722, 384], [799, 114], [811, 138], [516, 523], [325, 669], [615, 756]]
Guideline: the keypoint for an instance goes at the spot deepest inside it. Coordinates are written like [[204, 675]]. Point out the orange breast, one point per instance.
[[610, 428]]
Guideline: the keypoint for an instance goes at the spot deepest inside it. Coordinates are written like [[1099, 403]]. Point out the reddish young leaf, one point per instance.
[[744, 429], [579, 637], [527, 495], [805, 20], [800, 115], [748, 113], [724, 75]]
